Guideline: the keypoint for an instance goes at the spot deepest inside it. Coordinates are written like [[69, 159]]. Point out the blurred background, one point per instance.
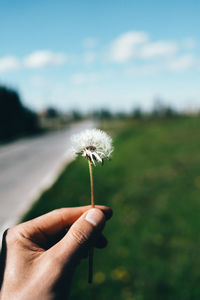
[[133, 69]]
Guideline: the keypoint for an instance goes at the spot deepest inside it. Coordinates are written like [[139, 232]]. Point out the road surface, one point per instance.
[[28, 167]]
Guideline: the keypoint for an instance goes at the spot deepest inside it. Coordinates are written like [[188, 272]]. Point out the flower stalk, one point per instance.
[[91, 249], [91, 183], [96, 146]]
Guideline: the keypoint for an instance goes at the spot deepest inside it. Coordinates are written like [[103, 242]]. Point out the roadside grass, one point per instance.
[[153, 186]]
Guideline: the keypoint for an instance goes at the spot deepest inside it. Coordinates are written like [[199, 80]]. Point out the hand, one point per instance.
[[42, 254]]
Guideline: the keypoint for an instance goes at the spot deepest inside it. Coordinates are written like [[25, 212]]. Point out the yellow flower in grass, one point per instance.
[[120, 274], [126, 294], [99, 277]]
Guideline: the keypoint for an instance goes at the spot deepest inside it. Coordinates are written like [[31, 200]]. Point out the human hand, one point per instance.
[[42, 254]]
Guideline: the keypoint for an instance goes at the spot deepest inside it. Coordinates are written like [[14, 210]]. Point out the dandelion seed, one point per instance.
[[93, 144]]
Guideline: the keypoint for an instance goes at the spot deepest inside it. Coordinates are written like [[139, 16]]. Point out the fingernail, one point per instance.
[[95, 216]]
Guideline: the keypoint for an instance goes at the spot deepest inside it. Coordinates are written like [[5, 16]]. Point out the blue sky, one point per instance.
[[92, 54]]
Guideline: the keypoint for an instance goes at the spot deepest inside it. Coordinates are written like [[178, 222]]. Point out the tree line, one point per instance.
[[15, 119]]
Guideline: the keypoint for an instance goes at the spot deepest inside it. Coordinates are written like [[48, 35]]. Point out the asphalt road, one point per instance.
[[28, 167]]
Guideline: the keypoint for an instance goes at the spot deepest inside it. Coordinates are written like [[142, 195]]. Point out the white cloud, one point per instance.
[[125, 46], [189, 43], [9, 63], [178, 64], [90, 42], [158, 49], [44, 58], [84, 78], [182, 63], [144, 70], [89, 57], [38, 81]]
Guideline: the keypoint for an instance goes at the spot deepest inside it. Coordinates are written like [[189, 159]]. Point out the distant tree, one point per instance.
[[77, 115], [103, 114], [52, 113], [169, 112], [158, 108], [163, 111], [121, 115], [137, 113], [15, 119]]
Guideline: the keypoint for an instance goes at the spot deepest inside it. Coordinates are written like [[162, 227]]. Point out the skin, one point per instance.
[[42, 254]]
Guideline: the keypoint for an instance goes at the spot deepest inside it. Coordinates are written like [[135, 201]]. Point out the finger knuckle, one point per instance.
[[79, 236], [11, 236], [60, 210]]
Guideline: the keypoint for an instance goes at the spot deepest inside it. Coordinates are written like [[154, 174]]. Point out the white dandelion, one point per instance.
[[95, 145]]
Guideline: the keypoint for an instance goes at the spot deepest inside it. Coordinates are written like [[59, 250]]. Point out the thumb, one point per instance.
[[70, 248]]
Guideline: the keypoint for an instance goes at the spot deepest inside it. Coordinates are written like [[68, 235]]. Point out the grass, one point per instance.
[[153, 186]]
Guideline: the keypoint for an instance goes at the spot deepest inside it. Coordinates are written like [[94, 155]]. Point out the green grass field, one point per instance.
[[153, 186]]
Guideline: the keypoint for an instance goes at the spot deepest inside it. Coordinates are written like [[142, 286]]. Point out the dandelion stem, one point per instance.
[[91, 250], [91, 183], [90, 273]]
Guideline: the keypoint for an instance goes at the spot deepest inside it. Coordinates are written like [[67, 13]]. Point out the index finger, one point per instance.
[[58, 219]]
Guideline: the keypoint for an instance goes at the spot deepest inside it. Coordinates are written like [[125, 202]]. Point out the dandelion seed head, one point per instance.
[[93, 144]]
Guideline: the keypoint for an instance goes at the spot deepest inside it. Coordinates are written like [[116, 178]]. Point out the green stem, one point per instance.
[[91, 250], [91, 183]]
